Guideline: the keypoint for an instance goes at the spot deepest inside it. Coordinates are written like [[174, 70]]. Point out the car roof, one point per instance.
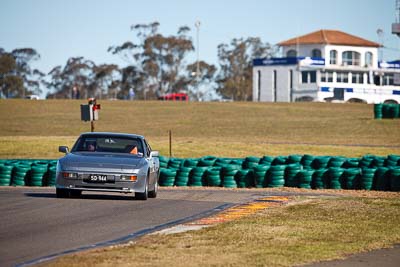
[[113, 134]]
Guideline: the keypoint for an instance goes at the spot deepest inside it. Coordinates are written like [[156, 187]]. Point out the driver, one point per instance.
[[91, 146]]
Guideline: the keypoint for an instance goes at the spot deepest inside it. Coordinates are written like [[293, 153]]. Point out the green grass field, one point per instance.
[[34, 129]]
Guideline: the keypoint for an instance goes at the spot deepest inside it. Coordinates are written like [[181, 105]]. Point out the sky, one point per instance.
[[60, 29]]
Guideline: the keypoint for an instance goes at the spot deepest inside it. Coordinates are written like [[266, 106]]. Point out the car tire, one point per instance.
[[144, 195], [62, 193], [153, 194]]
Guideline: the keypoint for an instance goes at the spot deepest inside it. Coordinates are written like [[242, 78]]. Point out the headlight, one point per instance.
[[69, 175]]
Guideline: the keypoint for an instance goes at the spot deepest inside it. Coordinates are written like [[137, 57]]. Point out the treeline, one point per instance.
[[155, 65]]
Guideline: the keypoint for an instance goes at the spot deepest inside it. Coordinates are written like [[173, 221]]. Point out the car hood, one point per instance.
[[101, 162]]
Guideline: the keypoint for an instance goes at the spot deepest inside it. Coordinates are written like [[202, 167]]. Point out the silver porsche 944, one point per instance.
[[108, 162]]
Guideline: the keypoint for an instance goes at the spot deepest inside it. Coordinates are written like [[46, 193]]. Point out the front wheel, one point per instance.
[[144, 195]]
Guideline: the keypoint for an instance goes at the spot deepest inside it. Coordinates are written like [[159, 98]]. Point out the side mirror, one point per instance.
[[63, 149], [154, 154]]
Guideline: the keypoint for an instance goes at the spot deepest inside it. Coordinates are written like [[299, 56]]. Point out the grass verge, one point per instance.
[[308, 230]]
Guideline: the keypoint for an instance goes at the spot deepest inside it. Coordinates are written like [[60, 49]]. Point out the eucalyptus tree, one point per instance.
[[235, 77]]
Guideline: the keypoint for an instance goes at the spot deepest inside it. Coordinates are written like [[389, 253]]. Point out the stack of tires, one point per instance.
[[350, 177], [378, 111], [320, 179], [335, 178], [291, 178], [245, 178], [167, 177], [197, 177], [38, 174], [275, 176], [5, 174], [213, 176], [22, 175], [305, 178], [228, 176], [259, 173], [182, 176], [367, 178]]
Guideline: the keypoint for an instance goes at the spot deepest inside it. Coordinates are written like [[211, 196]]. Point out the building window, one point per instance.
[[323, 76], [388, 79], [291, 79], [333, 57], [329, 77], [368, 59], [316, 53], [357, 77], [291, 53], [342, 77], [313, 76], [308, 77], [351, 58], [304, 77]]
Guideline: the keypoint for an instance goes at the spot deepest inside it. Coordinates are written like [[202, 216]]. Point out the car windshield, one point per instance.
[[110, 144]]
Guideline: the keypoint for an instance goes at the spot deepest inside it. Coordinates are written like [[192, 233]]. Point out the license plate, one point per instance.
[[99, 178]]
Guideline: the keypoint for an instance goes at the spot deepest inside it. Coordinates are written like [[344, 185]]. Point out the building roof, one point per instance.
[[329, 37]]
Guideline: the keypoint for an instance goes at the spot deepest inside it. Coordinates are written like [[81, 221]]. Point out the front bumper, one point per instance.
[[119, 185]]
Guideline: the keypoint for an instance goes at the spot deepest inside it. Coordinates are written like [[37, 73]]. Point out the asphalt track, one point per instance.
[[35, 224]]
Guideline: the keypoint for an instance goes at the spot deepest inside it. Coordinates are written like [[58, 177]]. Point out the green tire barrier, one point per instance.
[[250, 162], [213, 176], [281, 160], [5, 174], [291, 178], [275, 176], [259, 173], [335, 178], [307, 161], [336, 162], [182, 176], [350, 178], [305, 178], [386, 111], [52, 176], [38, 174], [245, 178], [395, 179], [197, 177], [367, 178], [378, 111], [320, 178], [369, 172], [382, 179], [291, 159], [22, 174], [228, 175], [167, 177], [320, 162]]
